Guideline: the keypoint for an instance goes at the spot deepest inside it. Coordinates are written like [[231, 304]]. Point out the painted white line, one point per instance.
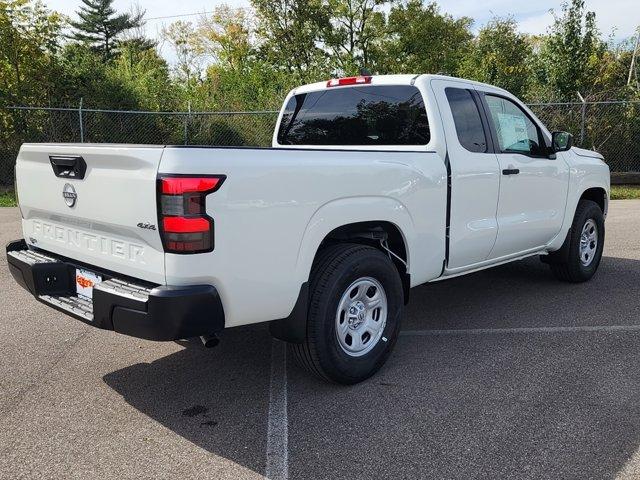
[[278, 424], [485, 331]]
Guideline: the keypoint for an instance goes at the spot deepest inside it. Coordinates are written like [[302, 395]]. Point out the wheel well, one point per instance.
[[598, 195], [374, 233]]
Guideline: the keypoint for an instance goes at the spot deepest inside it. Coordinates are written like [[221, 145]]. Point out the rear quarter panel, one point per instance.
[[277, 205]]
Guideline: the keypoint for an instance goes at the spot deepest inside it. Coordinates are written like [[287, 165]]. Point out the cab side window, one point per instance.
[[466, 118], [515, 130]]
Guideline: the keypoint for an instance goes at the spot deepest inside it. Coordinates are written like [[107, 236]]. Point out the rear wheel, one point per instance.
[[586, 242], [355, 308]]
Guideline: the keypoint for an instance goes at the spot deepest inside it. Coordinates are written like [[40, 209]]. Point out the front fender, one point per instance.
[[584, 175]]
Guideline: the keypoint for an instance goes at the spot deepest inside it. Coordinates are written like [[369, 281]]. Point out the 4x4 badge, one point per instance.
[[148, 226]]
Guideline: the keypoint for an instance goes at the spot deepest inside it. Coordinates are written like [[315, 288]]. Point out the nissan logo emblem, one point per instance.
[[69, 194]]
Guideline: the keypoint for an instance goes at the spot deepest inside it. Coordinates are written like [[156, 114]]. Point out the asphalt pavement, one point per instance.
[[505, 373]]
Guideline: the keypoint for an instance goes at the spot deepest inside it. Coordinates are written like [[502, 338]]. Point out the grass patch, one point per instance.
[[7, 199], [625, 192]]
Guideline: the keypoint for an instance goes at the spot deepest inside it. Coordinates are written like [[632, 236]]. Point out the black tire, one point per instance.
[[569, 267], [336, 268]]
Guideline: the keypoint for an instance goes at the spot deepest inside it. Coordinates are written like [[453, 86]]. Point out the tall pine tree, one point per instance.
[[100, 26]]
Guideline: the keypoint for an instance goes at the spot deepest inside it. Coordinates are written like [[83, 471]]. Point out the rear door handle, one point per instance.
[[511, 171], [68, 166]]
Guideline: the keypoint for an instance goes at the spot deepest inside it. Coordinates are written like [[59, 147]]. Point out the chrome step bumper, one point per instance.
[[136, 309]]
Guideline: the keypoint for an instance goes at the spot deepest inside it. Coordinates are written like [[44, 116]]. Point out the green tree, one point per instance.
[[188, 68], [289, 32], [420, 39], [260, 86], [100, 26], [353, 28], [87, 76], [225, 36], [570, 54], [146, 76], [237, 77], [29, 72], [500, 56], [29, 40]]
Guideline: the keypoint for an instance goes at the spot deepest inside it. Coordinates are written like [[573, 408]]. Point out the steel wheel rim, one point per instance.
[[361, 316], [588, 242]]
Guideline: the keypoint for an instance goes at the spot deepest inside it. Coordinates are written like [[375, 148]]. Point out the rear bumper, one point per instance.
[[132, 308]]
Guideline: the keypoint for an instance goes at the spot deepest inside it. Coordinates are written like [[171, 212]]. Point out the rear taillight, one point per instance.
[[185, 226]]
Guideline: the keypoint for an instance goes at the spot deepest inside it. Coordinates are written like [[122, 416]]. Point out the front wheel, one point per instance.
[[355, 307], [586, 242]]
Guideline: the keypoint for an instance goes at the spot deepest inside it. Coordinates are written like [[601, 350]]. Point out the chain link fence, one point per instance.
[[67, 125], [612, 128]]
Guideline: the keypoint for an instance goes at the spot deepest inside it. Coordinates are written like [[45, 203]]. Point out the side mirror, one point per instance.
[[561, 141]]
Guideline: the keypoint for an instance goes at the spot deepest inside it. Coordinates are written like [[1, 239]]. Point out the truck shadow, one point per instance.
[[554, 405], [216, 398]]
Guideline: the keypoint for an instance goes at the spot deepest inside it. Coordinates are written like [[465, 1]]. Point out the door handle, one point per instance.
[[511, 171], [68, 167]]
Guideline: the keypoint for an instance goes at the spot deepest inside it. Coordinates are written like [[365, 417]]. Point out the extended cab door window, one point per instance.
[[369, 115], [466, 118], [515, 131]]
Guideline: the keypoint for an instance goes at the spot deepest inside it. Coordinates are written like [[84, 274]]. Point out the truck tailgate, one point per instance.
[[107, 219]]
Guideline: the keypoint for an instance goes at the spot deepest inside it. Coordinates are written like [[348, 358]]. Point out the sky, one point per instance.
[[620, 17]]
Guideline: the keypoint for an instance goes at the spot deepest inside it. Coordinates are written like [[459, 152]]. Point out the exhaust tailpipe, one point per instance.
[[210, 341]]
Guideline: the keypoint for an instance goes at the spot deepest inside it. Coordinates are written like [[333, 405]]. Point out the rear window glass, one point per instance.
[[371, 115]]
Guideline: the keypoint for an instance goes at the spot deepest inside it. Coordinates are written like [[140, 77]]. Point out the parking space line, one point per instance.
[[278, 424], [516, 330]]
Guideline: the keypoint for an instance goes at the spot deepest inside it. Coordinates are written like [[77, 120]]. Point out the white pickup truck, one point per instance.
[[373, 185]]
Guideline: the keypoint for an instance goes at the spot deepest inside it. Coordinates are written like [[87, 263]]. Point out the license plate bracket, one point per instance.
[[85, 281]]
